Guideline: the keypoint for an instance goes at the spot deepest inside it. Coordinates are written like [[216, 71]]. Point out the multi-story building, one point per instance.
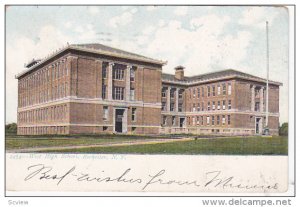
[[224, 102], [92, 88]]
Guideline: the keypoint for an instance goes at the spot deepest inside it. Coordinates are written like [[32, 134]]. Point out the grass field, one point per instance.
[[212, 146], [21, 142], [277, 145]]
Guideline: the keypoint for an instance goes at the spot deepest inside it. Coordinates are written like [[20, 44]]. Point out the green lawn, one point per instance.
[[21, 142], [212, 146]]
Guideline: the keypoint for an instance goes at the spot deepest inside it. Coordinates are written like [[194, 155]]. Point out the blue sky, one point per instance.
[[201, 38]]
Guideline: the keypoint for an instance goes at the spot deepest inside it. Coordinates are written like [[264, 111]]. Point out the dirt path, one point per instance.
[[114, 144]]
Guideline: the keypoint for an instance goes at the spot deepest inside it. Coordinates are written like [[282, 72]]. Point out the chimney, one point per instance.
[[179, 72]]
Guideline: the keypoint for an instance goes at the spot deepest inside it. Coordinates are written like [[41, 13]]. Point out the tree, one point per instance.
[[284, 129], [11, 128]]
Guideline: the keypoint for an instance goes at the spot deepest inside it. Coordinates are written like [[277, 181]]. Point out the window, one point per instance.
[[194, 121], [256, 93], [104, 69], [194, 92], [132, 74], [218, 120], [59, 71], [164, 120], [179, 107], [224, 104], [180, 94], [219, 105], [213, 90], [202, 91], [172, 93], [208, 106], [198, 120], [131, 94], [219, 89], [224, 89], [118, 74], [103, 91], [223, 119], [213, 120], [198, 90], [173, 120], [63, 90], [208, 91], [257, 106], [229, 104], [198, 108], [163, 92], [54, 93], [66, 89], [133, 114], [105, 112], [56, 72], [163, 106], [172, 106], [57, 92], [48, 75], [229, 88], [213, 105], [194, 107], [118, 93], [228, 119], [207, 120], [201, 118]]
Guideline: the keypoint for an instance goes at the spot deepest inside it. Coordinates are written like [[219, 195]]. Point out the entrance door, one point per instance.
[[119, 120], [181, 122], [257, 125]]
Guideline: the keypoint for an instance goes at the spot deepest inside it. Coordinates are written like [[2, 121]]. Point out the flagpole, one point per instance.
[[267, 88]]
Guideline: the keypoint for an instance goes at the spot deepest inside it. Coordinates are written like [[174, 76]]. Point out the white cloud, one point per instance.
[[123, 19], [133, 10], [85, 33], [205, 48], [79, 29], [161, 23], [93, 10], [212, 23], [181, 10], [257, 16], [68, 25], [149, 30]]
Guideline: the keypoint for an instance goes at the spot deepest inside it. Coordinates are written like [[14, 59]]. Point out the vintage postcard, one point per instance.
[[185, 99]]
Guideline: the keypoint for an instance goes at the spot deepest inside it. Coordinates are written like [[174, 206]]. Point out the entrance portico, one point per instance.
[[120, 120]]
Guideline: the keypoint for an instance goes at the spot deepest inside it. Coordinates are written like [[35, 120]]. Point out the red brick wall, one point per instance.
[[151, 86], [242, 95]]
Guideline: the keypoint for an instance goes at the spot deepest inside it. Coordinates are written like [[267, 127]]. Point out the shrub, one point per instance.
[[284, 129], [11, 128]]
